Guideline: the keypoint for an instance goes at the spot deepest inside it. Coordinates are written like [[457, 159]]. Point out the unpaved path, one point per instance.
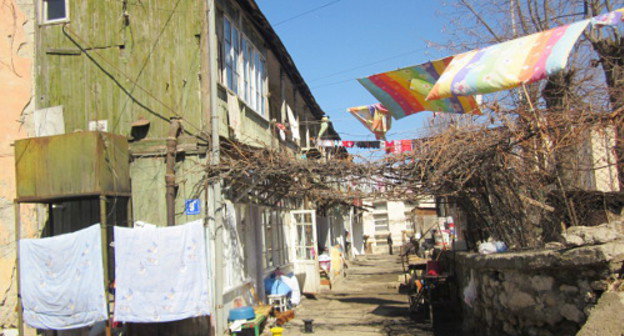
[[367, 302]]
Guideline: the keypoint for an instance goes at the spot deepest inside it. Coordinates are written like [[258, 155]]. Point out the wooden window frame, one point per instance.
[[248, 82], [42, 9]]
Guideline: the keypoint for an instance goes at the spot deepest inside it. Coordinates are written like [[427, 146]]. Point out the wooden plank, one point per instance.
[[162, 57], [18, 229], [104, 238]]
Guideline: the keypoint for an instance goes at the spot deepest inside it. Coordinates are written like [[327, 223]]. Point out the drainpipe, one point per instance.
[[172, 147], [215, 219]]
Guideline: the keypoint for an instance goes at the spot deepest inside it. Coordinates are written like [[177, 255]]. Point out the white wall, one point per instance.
[[397, 223], [357, 234]]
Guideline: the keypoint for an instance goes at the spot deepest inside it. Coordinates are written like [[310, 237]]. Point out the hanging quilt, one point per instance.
[[161, 273], [374, 117], [403, 91], [509, 64], [62, 280]]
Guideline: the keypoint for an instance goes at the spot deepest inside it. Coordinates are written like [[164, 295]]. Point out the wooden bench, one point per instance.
[[262, 313]]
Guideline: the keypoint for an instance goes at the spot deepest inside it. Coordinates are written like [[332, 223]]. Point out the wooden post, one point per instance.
[[130, 214], [104, 238], [18, 229]]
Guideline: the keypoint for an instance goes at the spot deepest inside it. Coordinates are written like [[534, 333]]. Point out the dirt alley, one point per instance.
[[366, 302]]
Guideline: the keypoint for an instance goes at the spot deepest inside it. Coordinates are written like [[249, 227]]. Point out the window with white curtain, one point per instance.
[[244, 68]]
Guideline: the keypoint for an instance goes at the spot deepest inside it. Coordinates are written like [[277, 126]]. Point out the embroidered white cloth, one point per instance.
[[62, 280], [161, 273]]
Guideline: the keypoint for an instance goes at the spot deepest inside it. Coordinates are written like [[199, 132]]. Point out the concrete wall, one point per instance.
[[534, 292], [605, 176], [593, 163], [16, 87], [357, 234]]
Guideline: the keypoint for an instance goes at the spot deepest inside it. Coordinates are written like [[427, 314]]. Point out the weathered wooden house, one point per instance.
[[140, 80]]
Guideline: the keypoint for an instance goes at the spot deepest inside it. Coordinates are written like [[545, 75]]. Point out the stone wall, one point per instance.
[[548, 292]]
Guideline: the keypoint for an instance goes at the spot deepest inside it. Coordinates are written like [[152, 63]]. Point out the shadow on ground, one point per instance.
[[370, 300]]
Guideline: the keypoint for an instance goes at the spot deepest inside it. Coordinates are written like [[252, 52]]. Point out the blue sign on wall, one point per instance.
[[192, 207]]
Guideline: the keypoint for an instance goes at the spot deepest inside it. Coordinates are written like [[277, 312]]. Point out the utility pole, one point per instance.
[[215, 220]]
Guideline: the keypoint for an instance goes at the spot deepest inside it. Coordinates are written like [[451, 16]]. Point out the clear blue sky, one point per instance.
[[354, 33]]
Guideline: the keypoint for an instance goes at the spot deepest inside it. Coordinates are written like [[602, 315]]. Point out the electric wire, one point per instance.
[[306, 12], [369, 64], [127, 77]]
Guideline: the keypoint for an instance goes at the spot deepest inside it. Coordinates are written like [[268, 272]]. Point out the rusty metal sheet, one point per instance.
[[61, 166]]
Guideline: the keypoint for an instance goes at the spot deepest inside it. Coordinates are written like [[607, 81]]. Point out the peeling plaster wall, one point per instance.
[[16, 90]]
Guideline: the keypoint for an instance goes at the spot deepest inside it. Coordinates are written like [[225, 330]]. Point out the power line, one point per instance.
[[359, 67], [307, 12], [369, 64], [333, 83]]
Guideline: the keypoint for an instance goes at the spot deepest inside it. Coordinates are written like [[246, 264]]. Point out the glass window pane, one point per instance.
[[230, 78], [380, 206], [236, 58], [303, 253], [252, 80], [235, 39], [309, 241], [381, 222], [245, 47], [55, 9], [300, 235], [227, 32], [227, 52]]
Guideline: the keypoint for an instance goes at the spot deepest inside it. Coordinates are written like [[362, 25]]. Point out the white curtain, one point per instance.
[[294, 123]]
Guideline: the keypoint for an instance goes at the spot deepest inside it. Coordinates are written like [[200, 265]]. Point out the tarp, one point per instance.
[[403, 91]]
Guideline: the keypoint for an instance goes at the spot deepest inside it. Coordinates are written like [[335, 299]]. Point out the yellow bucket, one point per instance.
[[277, 331]]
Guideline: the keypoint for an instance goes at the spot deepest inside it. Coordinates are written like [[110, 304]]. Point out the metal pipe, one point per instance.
[[215, 188], [172, 146]]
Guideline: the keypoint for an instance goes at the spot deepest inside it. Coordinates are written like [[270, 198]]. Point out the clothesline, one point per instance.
[[452, 84], [391, 147], [161, 276]]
